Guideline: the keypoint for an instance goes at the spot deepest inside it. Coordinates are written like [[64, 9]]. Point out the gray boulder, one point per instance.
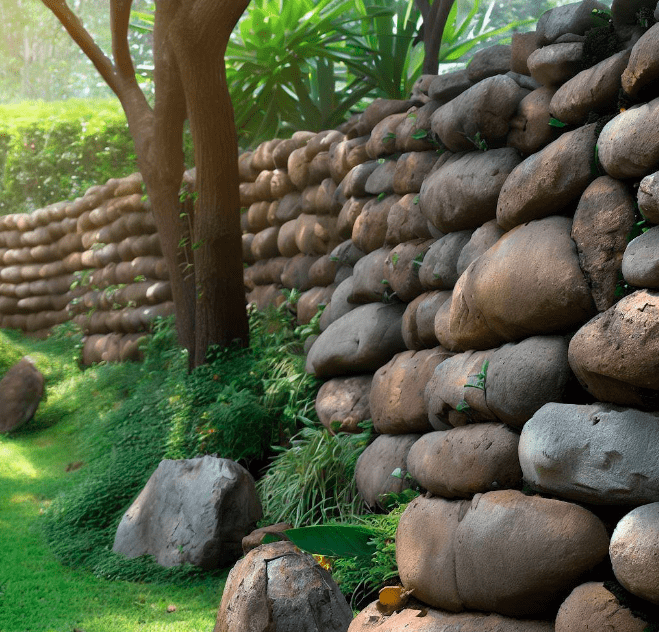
[[439, 270], [360, 341], [597, 453], [195, 511], [553, 65], [640, 263], [277, 588], [575, 18], [648, 197], [633, 552], [21, 390]]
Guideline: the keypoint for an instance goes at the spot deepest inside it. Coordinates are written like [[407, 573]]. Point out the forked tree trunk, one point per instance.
[[434, 21], [203, 249]]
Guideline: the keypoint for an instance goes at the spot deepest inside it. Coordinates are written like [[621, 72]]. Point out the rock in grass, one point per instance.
[[277, 588], [194, 510], [21, 390]]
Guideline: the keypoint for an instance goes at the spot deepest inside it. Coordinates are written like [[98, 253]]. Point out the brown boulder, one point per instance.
[[416, 120], [419, 319], [604, 218], [490, 61], [311, 301], [405, 221], [648, 197], [275, 587], [481, 240], [549, 180], [295, 274], [370, 228], [506, 294], [382, 179], [629, 144], [397, 399], [411, 170], [445, 87], [371, 619], [377, 111], [360, 341], [529, 128], [643, 68], [465, 461], [593, 89], [616, 354], [21, 390], [401, 268], [502, 552], [591, 606], [553, 65], [485, 110], [523, 44], [375, 472], [439, 269], [343, 402], [383, 137], [354, 184], [368, 277], [348, 215], [640, 263], [462, 194]]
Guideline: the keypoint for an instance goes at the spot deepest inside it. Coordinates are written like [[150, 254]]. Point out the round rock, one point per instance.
[[640, 263]]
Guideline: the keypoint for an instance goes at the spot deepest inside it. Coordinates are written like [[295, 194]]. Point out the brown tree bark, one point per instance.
[[202, 248], [434, 17]]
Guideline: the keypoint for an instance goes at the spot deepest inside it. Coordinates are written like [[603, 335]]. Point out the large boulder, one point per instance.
[[482, 112], [21, 390], [397, 400], [633, 552], [591, 606], [575, 18], [462, 193], [465, 461], [554, 64], [628, 146], [549, 180], [278, 588], [360, 341], [194, 510], [342, 403], [419, 319], [616, 354], [643, 68], [529, 282], [529, 128], [382, 468], [371, 619], [597, 453], [604, 218], [640, 263], [500, 552]]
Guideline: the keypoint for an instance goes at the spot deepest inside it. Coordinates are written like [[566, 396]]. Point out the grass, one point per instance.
[[37, 593]]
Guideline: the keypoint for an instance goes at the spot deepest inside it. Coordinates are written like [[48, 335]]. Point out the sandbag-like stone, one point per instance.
[[462, 194], [593, 89], [549, 180], [522, 377], [490, 61], [417, 119], [375, 472], [368, 277], [295, 274], [405, 221], [343, 402], [382, 179], [604, 218], [377, 111], [597, 453], [554, 64], [465, 461], [194, 510], [419, 319], [278, 588], [575, 18], [629, 144], [529, 128], [506, 294], [360, 341], [485, 109], [633, 552], [316, 234], [643, 68], [502, 552], [401, 268], [339, 303], [311, 301], [446, 87], [523, 44], [371, 619], [21, 390], [383, 137], [411, 170], [354, 184], [616, 354], [439, 269], [348, 215], [591, 606], [370, 228], [481, 240], [648, 197], [397, 401], [640, 263]]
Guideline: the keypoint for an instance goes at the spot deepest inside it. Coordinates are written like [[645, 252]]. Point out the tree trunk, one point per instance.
[[434, 21]]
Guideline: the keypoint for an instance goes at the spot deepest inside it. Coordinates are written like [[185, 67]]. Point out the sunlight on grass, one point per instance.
[[13, 464]]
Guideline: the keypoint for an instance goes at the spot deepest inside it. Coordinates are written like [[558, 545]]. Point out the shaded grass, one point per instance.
[[37, 594]]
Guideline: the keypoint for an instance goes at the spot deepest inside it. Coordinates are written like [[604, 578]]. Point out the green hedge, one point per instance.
[[56, 151]]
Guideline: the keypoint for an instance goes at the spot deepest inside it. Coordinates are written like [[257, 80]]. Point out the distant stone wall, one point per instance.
[[95, 261], [485, 306]]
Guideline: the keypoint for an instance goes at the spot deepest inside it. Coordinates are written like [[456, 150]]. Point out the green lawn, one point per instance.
[[37, 594]]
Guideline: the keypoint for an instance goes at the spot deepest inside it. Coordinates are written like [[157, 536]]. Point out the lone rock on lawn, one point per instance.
[[195, 511], [20, 393]]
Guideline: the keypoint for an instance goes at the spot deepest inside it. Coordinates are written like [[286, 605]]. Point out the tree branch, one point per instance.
[[85, 41], [424, 7], [119, 20]]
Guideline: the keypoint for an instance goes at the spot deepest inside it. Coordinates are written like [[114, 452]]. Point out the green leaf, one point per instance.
[[554, 122], [416, 199], [463, 407], [394, 258], [420, 134], [382, 196], [335, 540]]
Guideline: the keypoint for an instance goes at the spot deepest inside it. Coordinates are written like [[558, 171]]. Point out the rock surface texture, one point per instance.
[[195, 511]]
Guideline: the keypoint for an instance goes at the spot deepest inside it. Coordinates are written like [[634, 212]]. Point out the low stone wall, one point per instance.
[[486, 308], [95, 261]]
